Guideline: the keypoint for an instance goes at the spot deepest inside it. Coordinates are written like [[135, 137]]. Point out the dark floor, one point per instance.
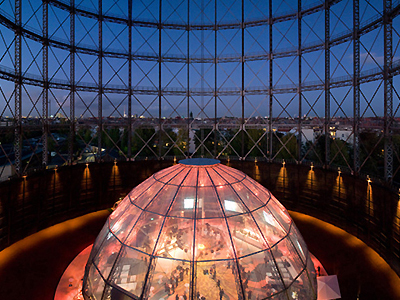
[[31, 268]]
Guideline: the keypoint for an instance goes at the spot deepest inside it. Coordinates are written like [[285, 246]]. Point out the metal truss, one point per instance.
[[158, 79]]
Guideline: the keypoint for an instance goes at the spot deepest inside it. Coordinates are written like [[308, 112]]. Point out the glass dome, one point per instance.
[[199, 230]]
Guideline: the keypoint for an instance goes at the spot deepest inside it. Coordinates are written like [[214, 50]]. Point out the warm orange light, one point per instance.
[[369, 179], [283, 163], [201, 247], [312, 167], [339, 171], [87, 165]]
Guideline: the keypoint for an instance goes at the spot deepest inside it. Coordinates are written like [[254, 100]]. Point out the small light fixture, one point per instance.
[[24, 176], [115, 162], [255, 160], [87, 165], [55, 169], [312, 167], [339, 171], [369, 179], [283, 163]]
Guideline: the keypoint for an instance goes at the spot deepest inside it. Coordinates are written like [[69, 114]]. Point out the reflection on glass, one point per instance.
[[200, 232]]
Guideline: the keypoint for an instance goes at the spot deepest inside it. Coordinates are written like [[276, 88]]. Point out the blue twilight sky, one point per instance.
[[198, 43]]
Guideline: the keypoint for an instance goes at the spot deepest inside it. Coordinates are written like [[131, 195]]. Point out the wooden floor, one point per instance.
[[31, 268]]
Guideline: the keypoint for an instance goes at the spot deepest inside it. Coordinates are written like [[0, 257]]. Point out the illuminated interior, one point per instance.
[[202, 230]]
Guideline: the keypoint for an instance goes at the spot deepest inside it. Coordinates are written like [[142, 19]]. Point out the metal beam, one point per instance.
[[242, 92], [100, 83], [72, 82], [299, 91], [45, 93], [388, 89], [327, 83], [160, 59], [130, 7], [356, 85], [18, 88], [271, 83]]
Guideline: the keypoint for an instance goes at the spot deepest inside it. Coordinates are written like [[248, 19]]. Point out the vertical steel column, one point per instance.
[[388, 89], [188, 79], [242, 87], [72, 81], [130, 79], [18, 88], [299, 90], [327, 82], [45, 93], [100, 83], [356, 84], [159, 81], [202, 77], [271, 83], [215, 78]]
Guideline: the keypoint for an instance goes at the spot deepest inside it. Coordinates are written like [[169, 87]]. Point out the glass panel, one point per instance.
[[166, 174], [177, 180], [245, 235], [99, 240], [248, 196], [215, 279], [259, 275], [301, 288], [176, 240], [95, 284], [115, 293], [281, 215], [280, 296], [122, 206], [258, 190], [148, 194], [287, 260], [234, 172], [191, 178], [298, 242], [107, 255], [208, 205], [130, 271], [228, 176], [280, 212], [145, 233], [269, 226], [230, 201], [170, 278], [204, 179], [126, 222], [212, 240], [312, 274], [138, 190], [184, 203], [162, 201], [215, 178]]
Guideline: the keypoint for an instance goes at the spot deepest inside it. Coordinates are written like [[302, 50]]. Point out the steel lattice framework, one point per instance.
[[301, 81]]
